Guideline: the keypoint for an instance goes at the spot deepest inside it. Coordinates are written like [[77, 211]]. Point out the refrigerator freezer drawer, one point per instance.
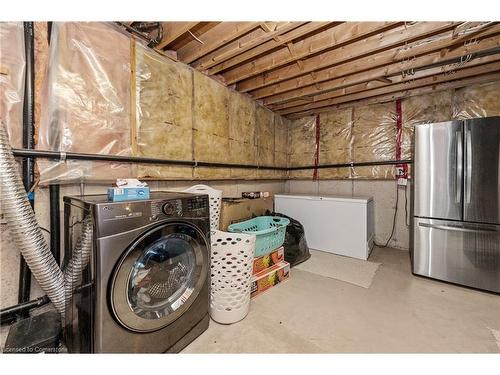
[[458, 252]]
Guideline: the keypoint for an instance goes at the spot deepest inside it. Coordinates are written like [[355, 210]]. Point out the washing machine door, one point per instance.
[[159, 276]]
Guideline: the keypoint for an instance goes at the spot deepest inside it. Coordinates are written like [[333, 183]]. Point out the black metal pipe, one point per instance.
[[55, 223], [360, 164], [58, 155], [49, 31], [459, 60], [10, 314], [137, 159], [28, 143], [149, 27], [138, 33]]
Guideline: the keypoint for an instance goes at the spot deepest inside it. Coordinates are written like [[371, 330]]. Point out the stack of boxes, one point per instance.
[[269, 270]]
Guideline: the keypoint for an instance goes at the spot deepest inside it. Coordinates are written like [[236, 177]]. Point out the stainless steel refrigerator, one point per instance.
[[456, 207]]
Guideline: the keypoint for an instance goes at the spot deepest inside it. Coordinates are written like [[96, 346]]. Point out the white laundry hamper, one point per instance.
[[230, 275], [215, 198]]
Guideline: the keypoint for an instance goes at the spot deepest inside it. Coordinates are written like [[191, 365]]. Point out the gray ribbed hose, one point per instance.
[[80, 258], [23, 227]]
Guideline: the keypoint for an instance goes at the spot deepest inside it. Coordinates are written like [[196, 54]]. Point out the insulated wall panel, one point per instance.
[[302, 142], [265, 156], [242, 118], [129, 100], [334, 173], [374, 139], [281, 126], [336, 137], [264, 120], [211, 106], [211, 127], [374, 172], [423, 109], [374, 132], [245, 174], [265, 140], [164, 172], [88, 101], [242, 153], [300, 174], [12, 68], [477, 101], [163, 114], [209, 173], [280, 159], [210, 147]]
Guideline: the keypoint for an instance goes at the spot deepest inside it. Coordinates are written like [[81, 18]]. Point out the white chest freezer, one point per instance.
[[335, 224]]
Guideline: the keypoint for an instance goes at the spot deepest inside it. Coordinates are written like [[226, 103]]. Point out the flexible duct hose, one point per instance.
[[24, 228], [79, 259]]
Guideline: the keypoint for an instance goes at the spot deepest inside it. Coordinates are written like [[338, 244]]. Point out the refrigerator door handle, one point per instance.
[[459, 174], [460, 229], [468, 172]]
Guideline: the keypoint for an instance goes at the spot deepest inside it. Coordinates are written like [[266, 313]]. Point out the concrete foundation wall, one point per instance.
[[384, 196]]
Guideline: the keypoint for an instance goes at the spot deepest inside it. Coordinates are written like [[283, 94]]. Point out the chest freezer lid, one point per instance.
[[326, 197]]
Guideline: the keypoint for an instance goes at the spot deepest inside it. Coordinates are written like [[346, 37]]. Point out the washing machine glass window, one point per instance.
[[159, 276]]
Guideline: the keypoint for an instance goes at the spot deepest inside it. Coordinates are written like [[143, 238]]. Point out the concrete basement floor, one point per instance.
[[398, 313]]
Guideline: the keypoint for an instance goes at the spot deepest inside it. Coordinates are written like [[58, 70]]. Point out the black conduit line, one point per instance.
[[54, 202], [28, 143], [49, 31], [55, 223], [10, 314], [58, 155], [360, 164]]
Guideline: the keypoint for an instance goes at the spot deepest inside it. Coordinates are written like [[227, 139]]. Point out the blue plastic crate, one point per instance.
[[269, 231]]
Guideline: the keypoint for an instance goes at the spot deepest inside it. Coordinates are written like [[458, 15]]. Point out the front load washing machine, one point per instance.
[[144, 286]]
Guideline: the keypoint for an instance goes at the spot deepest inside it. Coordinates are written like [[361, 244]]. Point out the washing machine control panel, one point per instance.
[[197, 206], [172, 208]]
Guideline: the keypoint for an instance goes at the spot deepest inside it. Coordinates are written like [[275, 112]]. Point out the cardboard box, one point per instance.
[[268, 260], [268, 278], [117, 194], [234, 210]]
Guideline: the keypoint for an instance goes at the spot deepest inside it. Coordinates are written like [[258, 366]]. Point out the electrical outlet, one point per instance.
[[400, 171]]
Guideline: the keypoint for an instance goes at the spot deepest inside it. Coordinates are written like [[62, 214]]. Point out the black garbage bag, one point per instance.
[[295, 245]]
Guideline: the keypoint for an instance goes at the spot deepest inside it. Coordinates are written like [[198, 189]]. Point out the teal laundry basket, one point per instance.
[[269, 231]]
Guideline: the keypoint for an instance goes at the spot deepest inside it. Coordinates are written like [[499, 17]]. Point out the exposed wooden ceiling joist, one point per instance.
[[468, 28], [434, 79], [336, 36], [376, 65], [216, 37], [484, 78], [243, 44], [409, 77], [400, 67], [174, 30], [385, 40], [276, 42], [445, 42]]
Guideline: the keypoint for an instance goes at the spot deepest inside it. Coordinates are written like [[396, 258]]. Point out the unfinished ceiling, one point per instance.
[[303, 68]]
